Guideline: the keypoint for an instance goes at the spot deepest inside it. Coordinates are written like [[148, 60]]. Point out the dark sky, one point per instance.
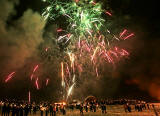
[[137, 77]]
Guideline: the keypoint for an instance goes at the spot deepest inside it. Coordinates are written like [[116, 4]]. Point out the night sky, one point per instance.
[[23, 34]]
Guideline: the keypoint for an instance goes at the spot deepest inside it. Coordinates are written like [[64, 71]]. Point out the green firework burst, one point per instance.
[[82, 17]]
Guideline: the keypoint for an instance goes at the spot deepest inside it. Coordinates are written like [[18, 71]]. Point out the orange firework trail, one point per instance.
[[9, 77], [62, 74], [72, 59]]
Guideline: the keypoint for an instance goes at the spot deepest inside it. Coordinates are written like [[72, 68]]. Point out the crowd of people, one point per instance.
[[14, 108], [102, 105], [92, 106], [8, 108]]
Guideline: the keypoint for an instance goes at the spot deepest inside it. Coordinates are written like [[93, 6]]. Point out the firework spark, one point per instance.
[[70, 90], [47, 81], [108, 13], [34, 70], [37, 84], [72, 59], [94, 53], [97, 71], [32, 75], [29, 97], [132, 34], [46, 49], [124, 31], [62, 74], [59, 30], [9, 77]]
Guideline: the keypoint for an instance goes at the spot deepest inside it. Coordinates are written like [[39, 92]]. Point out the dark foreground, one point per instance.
[[112, 110]]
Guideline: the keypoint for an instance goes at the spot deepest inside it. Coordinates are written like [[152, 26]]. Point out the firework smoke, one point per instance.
[[21, 41]]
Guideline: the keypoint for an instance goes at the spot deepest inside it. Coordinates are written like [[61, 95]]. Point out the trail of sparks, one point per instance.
[[108, 13], [72, 59], [68, 71], [29, 97], [59, 30], [124, 31], [62, 74], [70, 90], [94, 53], [9, 77], [47, 80], [32, 75], [97, 72], [73, 80], [34, 70], [37, 84], [132, 34]]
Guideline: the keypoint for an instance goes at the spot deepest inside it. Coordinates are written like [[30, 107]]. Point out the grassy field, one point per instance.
[[115, 110]]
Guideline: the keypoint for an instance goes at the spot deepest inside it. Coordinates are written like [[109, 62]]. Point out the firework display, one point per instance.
[[84, 41]]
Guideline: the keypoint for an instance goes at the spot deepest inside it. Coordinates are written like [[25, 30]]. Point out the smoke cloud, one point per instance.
[[21, 40]]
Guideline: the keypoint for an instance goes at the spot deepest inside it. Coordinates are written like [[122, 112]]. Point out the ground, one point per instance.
[[114, 110]]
